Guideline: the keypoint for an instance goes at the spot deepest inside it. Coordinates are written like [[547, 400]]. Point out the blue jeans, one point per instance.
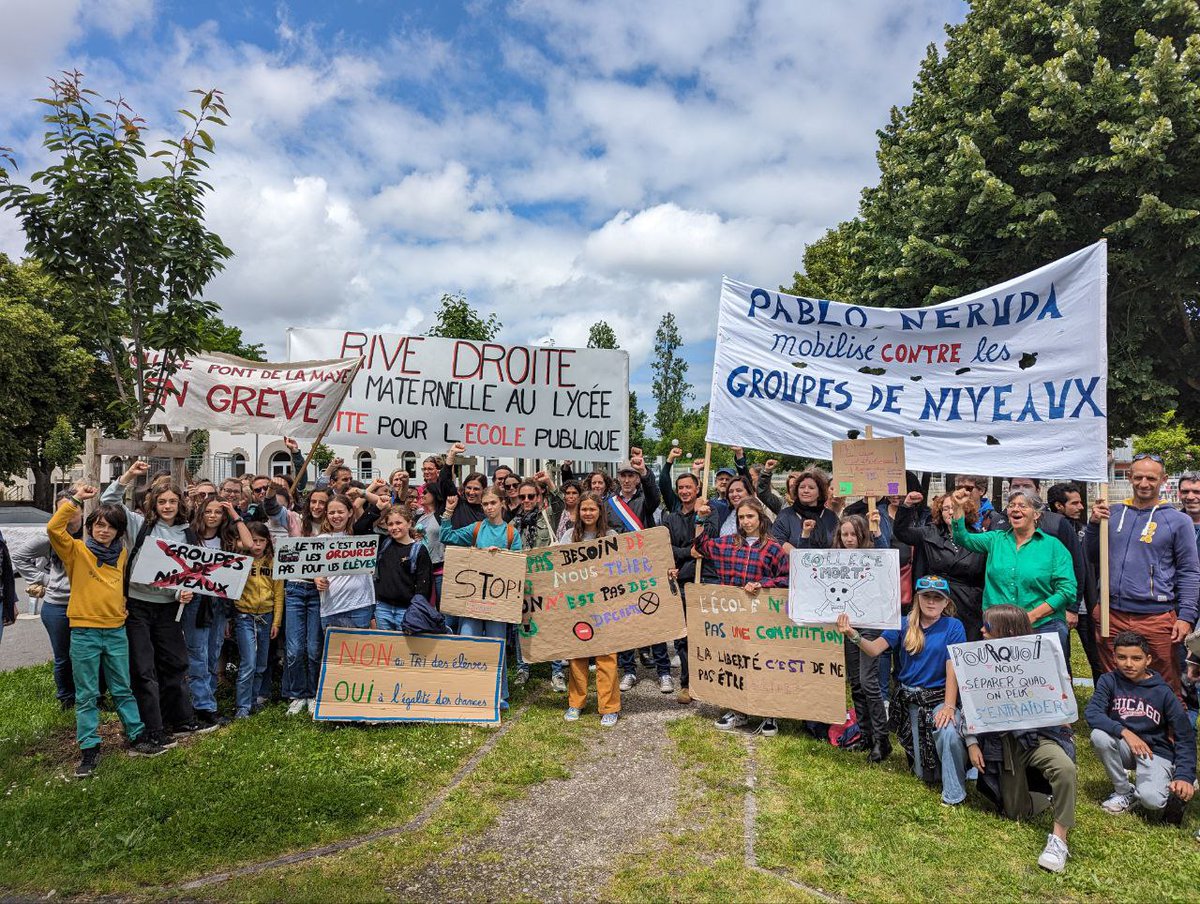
[[627, 661], [302, 653], [1059, 627], [952, 751], [54, 620], [253, 633], [389, 617], [201, 683], [514, 643], [354, 618], [558, 667], [478, 627]]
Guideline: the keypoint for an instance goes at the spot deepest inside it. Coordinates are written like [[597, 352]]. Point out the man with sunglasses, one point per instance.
[[262, 505], [1154, 569]]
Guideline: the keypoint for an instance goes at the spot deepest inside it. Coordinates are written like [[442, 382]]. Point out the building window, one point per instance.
[[116, 466], [238, 462], [408, 461], [366, 466], [281, 463]]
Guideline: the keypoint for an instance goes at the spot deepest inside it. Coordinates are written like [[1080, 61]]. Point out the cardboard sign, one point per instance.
[[386, 676], [745, 654], [1011, 379], [478, 583], [303, 558], [863, 583], [869, 467], [423, 392], [601, 596], [215, 391], [1014, 682], [179, 566]]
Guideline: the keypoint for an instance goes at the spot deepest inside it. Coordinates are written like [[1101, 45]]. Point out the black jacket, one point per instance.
[[8, 584], [934, 552], [683, 535]]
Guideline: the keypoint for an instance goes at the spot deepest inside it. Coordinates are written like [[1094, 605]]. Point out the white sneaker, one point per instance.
[[730, 721], [312, 705], [559, 683], [296, 706], [1117, 803], [628, 680], [608, 720], [666, 685], [1054, 855], [768, 728], [571, 715]]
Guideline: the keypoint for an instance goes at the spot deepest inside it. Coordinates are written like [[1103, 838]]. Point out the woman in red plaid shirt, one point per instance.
[[750, 559]]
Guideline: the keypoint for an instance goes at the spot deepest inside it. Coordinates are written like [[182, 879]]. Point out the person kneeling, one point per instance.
[[1027, 771], [1138, 723], [923, 712]]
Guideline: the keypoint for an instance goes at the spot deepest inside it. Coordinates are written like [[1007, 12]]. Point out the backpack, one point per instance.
[[509, 532], [421, 618]]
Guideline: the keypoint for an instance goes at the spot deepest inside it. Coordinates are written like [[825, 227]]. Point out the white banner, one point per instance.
[[302, 558], [421, 393], [220, 392], [1013, 683], [1012, 380], [180, 566], [863, 583]]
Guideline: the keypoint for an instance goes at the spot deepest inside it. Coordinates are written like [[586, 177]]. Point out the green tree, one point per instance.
[[1041, 128], [322, 455], [670, 388], [130, 249], [40, 365], [456, 319], [601, 335], [1173, 441], [826, 265]]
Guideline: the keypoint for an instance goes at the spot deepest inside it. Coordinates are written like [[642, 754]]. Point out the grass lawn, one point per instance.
[[256, 788]]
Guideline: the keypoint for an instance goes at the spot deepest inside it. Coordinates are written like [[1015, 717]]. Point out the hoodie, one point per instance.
[[1152, 560], [1150, 709]]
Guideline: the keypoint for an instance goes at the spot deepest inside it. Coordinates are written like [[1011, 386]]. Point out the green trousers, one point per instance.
[[91, 650], [1059, 771]]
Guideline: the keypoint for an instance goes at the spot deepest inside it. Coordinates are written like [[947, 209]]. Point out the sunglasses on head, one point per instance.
[[1153, 456]]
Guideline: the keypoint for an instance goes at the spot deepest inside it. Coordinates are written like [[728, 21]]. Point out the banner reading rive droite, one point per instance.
[[422, 393]]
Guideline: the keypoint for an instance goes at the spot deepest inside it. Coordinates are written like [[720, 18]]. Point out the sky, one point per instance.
[[558, 162]]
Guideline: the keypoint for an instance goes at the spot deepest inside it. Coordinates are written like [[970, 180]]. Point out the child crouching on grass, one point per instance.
[[257, 617], [1138, 723], [95, 567]]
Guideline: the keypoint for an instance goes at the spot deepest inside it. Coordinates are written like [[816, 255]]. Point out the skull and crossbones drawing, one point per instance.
[[839, 594]]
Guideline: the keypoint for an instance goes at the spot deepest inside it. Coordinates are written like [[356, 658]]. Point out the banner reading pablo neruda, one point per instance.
[[424, 393], [1009, 380]]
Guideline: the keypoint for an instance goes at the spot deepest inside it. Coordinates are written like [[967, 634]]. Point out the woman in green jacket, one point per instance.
[[1025, 567]]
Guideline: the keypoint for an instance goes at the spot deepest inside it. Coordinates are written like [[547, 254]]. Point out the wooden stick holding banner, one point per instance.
[[325, 427], [704, 496], [870, 434], [1104, 586]]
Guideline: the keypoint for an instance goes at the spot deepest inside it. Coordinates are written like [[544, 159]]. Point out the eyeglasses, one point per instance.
[[1153, 456], [528, 496]]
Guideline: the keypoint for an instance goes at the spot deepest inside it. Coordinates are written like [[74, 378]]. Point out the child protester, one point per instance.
[[256, 620], [923, 713], [404, 569], [1138, 723], [96, 566], [1026, 771], [590, 523]]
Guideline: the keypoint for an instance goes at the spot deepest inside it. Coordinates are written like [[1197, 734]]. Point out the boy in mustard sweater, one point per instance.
[[95, 567]]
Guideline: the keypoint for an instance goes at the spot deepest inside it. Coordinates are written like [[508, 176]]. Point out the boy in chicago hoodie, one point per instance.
[[1138, 723]]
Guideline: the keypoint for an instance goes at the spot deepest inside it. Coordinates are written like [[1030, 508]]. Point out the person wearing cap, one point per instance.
[[1154, 571], [721, 481], [923, 714]]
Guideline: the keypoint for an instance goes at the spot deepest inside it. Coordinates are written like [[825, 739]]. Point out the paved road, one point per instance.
[[24, 643]]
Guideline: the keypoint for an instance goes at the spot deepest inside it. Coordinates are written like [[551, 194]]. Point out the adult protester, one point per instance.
[[467, 508], [158, 656], [935, 552], [923, 712], [46, 579], [337, 478], [632, 507], [1025, 567], [1027, 771], [750, 559], [682, 526], [591, 524], [807, 523], [429, 529], [1154, 570], [1066, 499], [302, 618], [976, 486], [492, 533]]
